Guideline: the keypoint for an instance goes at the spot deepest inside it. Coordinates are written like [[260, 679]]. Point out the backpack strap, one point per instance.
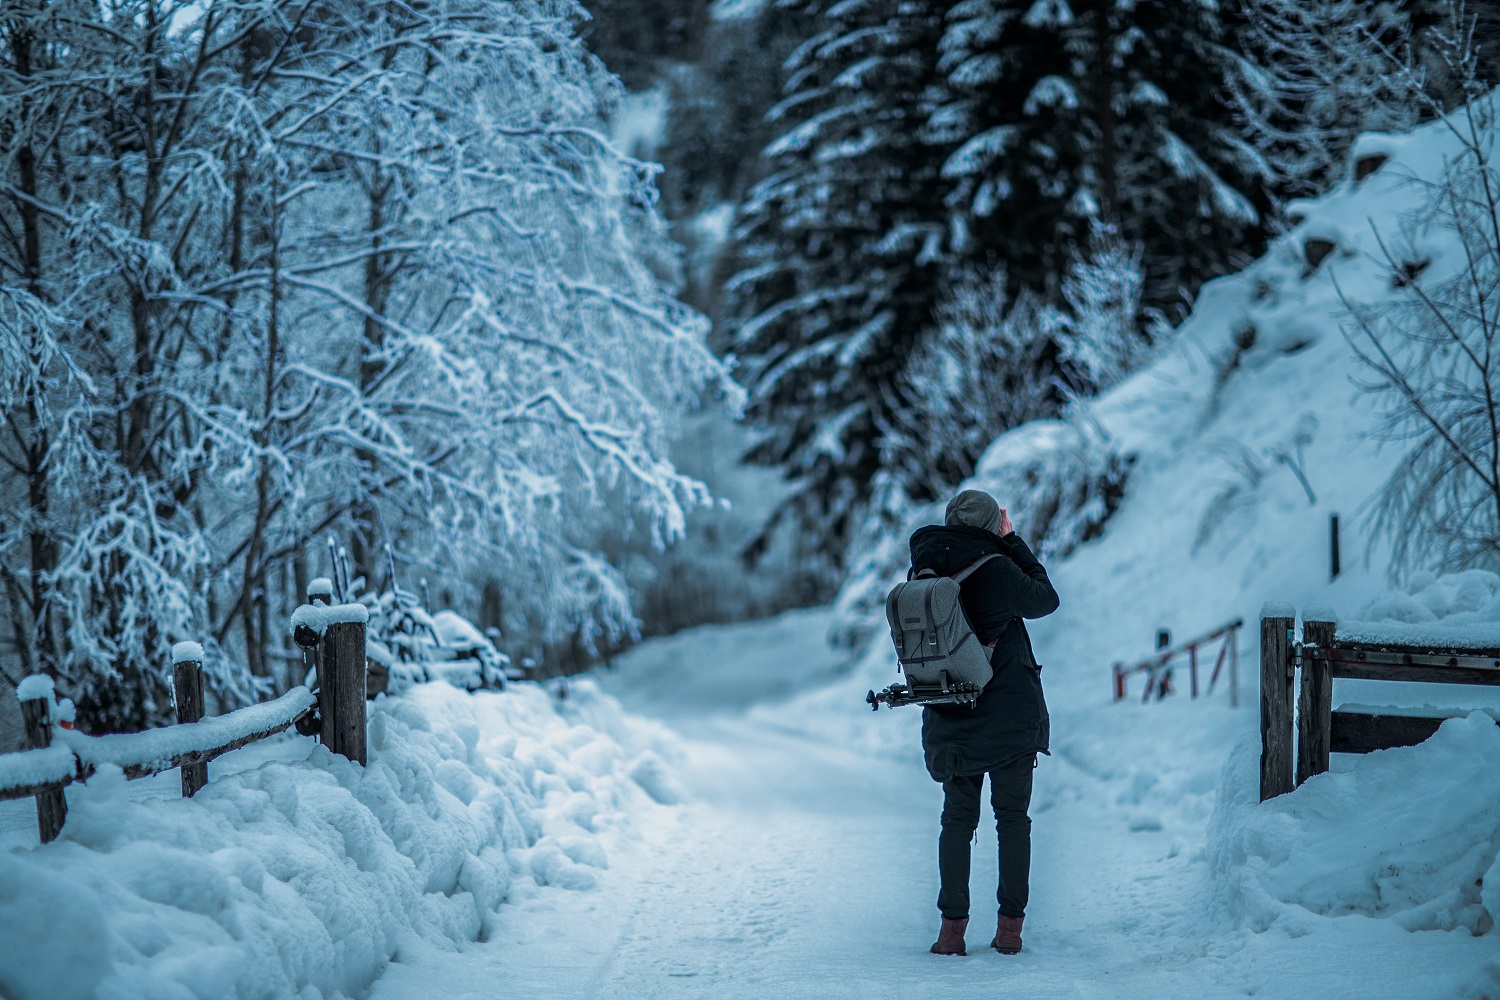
[[968, 570]]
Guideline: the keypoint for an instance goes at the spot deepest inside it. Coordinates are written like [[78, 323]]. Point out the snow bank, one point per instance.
[[304, 879], [1407, 835]]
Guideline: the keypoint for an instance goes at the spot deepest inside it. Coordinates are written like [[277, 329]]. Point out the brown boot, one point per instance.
[[951, 937], [1008, 936]]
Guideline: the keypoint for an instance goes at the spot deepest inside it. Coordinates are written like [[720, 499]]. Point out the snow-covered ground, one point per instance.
[[803, 865]]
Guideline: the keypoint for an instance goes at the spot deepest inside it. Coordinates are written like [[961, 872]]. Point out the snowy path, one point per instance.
[[803, 868]]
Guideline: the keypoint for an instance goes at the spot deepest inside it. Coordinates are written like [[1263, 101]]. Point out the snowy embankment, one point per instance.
[[1238, 441], [306, 876]]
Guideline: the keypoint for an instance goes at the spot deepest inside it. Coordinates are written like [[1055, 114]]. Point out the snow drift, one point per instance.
[[306, 878]]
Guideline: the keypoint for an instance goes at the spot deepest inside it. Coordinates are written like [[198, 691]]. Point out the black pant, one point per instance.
[[1010, 795]]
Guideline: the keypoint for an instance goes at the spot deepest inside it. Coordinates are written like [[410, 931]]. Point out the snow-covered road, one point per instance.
[[803, 865]]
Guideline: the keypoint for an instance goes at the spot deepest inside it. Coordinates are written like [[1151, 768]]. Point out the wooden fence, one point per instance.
[[333, 644], [1328, 652], [1158, 667]]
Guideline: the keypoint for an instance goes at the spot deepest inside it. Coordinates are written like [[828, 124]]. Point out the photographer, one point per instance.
[[1002, 733]]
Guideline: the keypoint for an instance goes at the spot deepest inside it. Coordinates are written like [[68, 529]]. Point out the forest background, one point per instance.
[[406, 276]]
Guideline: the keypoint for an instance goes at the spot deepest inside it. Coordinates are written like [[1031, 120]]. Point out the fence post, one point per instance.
[[1193, 668], [1234, 666], [187, 691], [1276, 770], [341, 682], [1119, 671], [1333, 547], [1315, 702], [51, 804]]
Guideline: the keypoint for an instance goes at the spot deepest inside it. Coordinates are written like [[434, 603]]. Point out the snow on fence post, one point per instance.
[[1276, 765], [1315, 703], [35, 694], [336, 637], [187, 691]]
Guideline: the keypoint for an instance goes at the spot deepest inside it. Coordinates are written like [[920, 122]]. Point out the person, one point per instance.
[[1002, 733]]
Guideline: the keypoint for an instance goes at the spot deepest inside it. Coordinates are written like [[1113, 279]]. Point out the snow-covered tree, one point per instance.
[[1065, 114], [981, 372], [326, 267], [840, 248], [1311, 75], [1433, 351], [1100, 334]]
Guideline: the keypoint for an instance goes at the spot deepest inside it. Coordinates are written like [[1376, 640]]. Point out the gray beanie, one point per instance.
[[976, 508]]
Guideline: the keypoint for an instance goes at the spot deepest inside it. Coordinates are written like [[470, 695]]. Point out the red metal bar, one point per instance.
[[1213, 679], [1119, 682]]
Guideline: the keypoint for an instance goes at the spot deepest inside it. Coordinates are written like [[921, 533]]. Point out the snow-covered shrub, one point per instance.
[[304, 878], [1101, 335], [1432, 357], [980, 373], [1059, 479], [1313, 75]]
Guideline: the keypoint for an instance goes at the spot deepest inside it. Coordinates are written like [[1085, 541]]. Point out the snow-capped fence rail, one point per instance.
[[333, 643], [1158, 667], [1329, 649], [59, 756]]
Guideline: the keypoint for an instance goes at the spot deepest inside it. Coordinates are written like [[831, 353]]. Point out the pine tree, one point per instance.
[[1098, 110], [840, 251]]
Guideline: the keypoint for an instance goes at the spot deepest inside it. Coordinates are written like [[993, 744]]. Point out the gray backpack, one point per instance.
[[934, 641]]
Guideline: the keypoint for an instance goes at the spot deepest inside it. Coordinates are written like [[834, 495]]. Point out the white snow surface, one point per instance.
[[187, 652], [1436, 635], [318, 617], [35, 686], [36, 767], [303, 876], [155, 747]]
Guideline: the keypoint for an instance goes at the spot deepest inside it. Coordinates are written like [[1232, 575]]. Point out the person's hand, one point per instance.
[[1006, 528]]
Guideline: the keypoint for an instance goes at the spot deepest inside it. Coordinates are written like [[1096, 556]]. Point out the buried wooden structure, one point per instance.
[[333, 640], [1324, 656]]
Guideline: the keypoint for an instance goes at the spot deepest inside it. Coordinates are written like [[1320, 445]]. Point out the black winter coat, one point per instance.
[[1010, 717]]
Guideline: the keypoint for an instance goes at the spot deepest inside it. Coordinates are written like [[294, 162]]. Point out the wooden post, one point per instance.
[[51, 804], [1193, 668], [1333, 540], [1276, 770], [1119, 682], [1234, 666], [187, 689], [342, 686], [1315, 703]]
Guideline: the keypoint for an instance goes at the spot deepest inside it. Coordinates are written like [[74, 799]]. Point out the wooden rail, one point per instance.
[[1158, 667], [1324, 656], [333, 641]]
